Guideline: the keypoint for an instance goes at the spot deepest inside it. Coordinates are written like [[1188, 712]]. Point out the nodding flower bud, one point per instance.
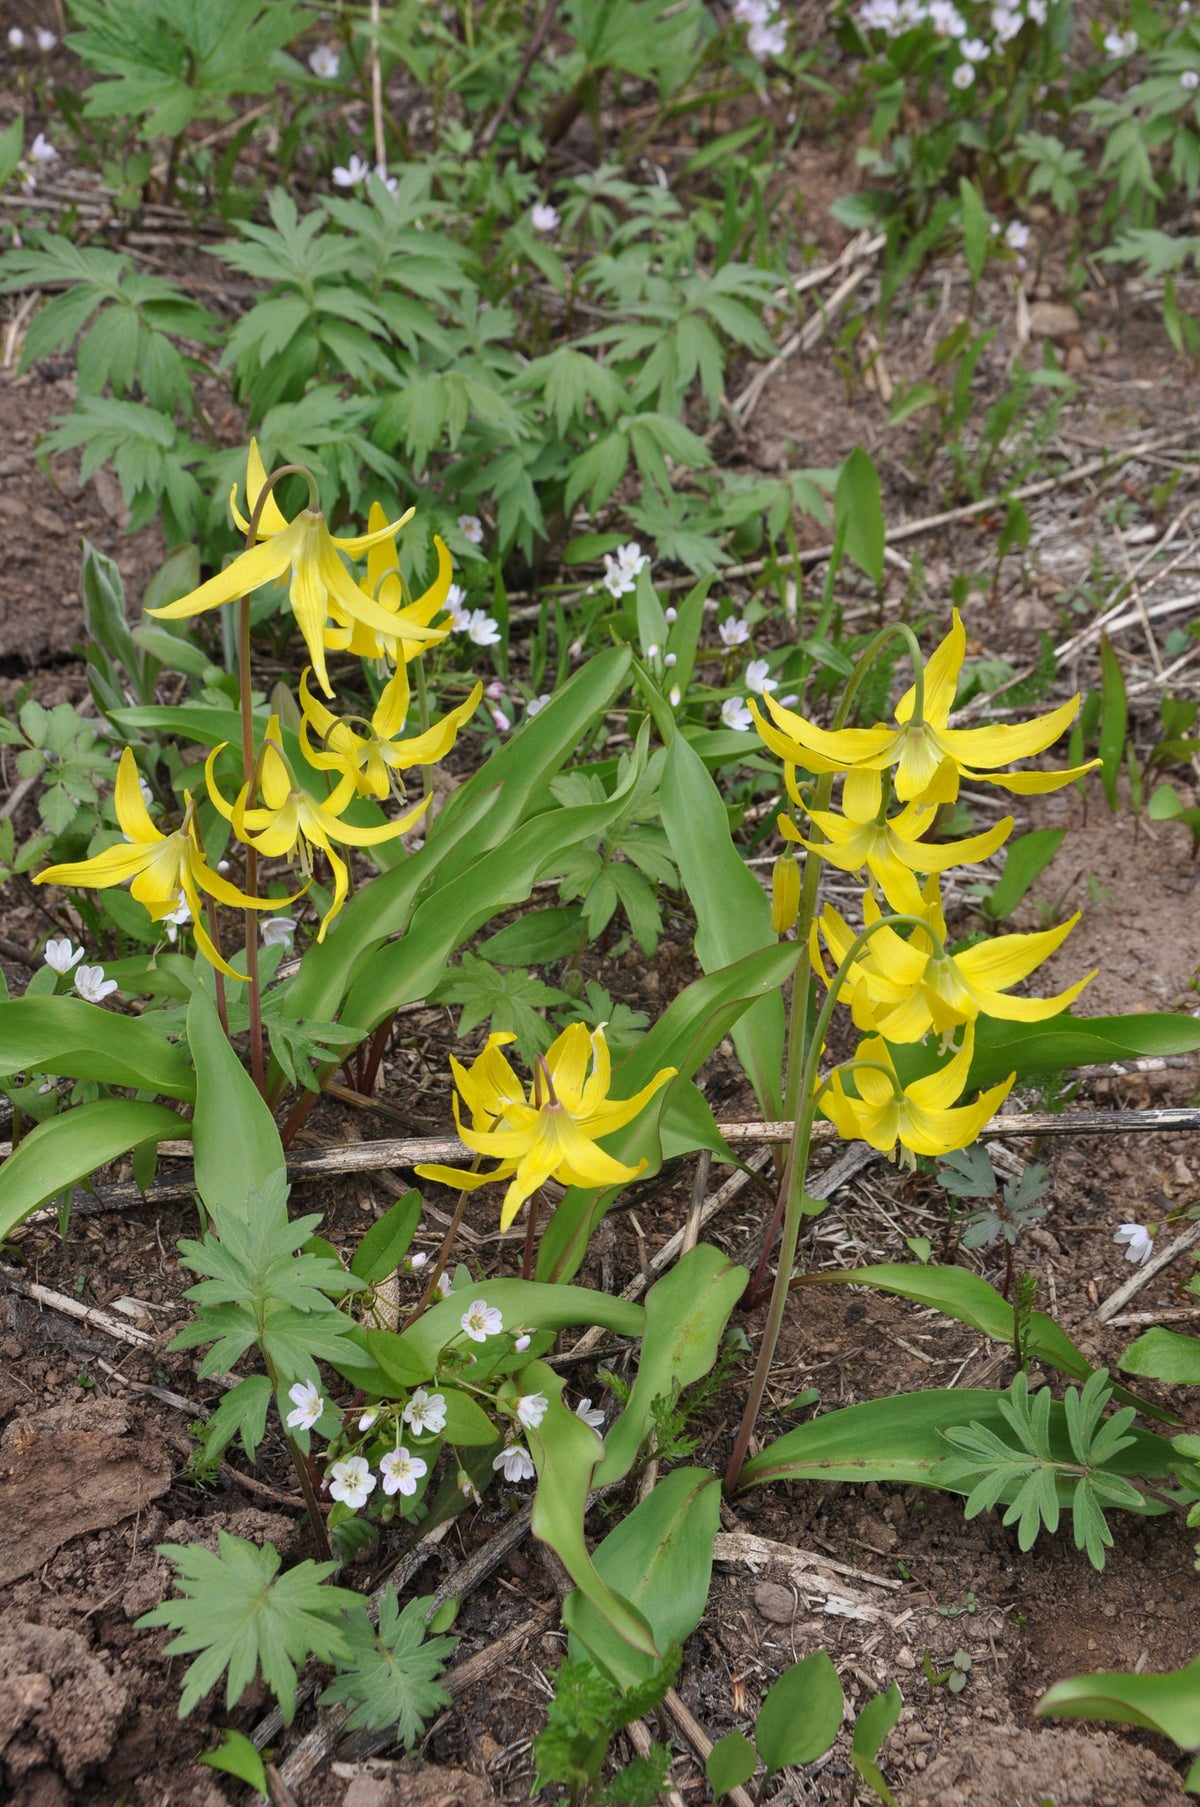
[[785, 893]]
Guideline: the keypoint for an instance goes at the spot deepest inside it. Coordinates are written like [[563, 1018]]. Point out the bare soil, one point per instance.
[[95, 1435]]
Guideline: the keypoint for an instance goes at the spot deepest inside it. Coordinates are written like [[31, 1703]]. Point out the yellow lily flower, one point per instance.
[[293, 822], [307, 549], [159, 865], [890, 849], [370, 760], [904, 988], [411, 632], [919, 1118], [553, 1134], [929, 756]]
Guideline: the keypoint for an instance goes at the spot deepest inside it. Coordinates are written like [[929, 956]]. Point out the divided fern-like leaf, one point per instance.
[[390, 1676]]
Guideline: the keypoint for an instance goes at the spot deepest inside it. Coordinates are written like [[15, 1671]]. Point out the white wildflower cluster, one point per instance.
[[1138, 1241], [354, 173], [766, 33], [977, 34], [45, 40], [61, 957], [621, 572], [543, 217]]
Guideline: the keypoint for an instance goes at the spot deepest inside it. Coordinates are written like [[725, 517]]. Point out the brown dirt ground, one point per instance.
[[88, 1704]]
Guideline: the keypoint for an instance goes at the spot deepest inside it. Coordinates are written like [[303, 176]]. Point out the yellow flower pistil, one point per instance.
[[373, 760], [930, 758], [551, 1135], [293, 822], [904, 988], [159, 865], [410, 631], [890, 849], [304, 547], [919, 1117]]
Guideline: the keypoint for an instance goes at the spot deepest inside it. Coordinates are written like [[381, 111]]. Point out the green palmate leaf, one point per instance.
[[565, 1451], [659, 1558], [686, 1314], [67, 1148], [684, 1036], [70, 1037], [801, 1714], [390, 1676], [733, 916], [237, 1144], [242, 1413], [902, 1439], [1167, 1703], [244, 1617]]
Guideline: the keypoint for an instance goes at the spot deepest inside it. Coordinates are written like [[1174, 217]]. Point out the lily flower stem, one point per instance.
[[423, 718], [530, 1235], [214, 932], [793, 1194]]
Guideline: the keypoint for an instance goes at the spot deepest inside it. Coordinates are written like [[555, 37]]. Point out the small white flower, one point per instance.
[[670, 616], [733, 632], [16, 38], [631, 558], [308, 1403], [946, 19], [757, 679], [1016, 235], [1190, 79], [764, 41], [471, 528], [963, 76], [324, 62], [752, 12], [482, 629], [277, 931], [975, 50], [400, 1471], [531, 1409], [445, 1285], [349, 175], [735, 714], [536, 704], [521, 1343], [618, 581], [670, 659], [91, 984], [61, 955], [1006, 23], [425, 1412], [516, 1462], [1138, 1240], [1121, 43], [481, 1320], [368, 1418], [391, 183], [460, 617], [543, 217], [351, 1481], [1037, 10], [591, 1414], [46, 40], [653, 651], [675, 696], [42, 151], [177, 918], [496, 691], [501, 721], [417, 1262]]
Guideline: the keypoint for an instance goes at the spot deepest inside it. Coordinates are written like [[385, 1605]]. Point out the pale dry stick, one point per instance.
[[745, 1547], [1169, 1314], [638, 1734], [803, 340], [74, 1308], [1160, 1259], [861, 246], [377, 89], [1025, 1123], [1113, 609], [1135, 590], [691, 1229], [699, 1740]]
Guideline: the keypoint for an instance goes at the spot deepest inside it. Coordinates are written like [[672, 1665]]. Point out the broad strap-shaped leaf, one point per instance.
[[70, 1037], [67, 1148], [237, 1144], [1168, 1703], [686, 1314]]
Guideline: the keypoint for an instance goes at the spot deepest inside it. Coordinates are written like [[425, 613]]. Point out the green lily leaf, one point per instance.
[[69, 1147], [69, 1037], [1168, 1703]]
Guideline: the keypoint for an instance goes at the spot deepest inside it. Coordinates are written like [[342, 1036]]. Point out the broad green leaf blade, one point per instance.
[[858, 514], [69, 1037], [733, 916], [1026, 859], [564, 1451], [870, 1729], [1164, 1355], [386, 1243], [67, 1148], [1114, 720], [1065, 1041], [731, 1762], [801, 1714], [976, 228], [686, 1314], [238, 1757], [899, 1439], [236, 1142], [1167, 1703], [659, 1558], [521, 1302]]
